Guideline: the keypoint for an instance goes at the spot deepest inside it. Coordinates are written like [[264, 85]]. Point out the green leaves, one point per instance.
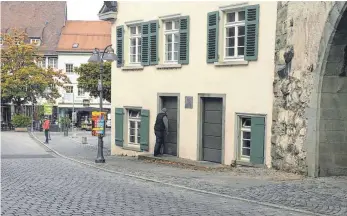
[[89, 76], [21, 121], [22, 80]]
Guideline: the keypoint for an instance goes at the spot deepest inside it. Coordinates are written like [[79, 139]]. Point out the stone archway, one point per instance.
[[327, 113]]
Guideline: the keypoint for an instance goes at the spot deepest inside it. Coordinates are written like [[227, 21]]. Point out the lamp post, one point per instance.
[[97, 57]]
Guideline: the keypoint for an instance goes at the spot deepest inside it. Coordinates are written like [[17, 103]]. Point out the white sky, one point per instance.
[[83, 10]]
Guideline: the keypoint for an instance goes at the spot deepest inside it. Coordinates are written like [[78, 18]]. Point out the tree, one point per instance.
[[22, 80], [89, 77]]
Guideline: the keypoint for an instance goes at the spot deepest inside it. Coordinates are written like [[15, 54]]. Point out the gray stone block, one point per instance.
[[332, 69], [332, 136], [336, 53], [334, 100], [334, 84]]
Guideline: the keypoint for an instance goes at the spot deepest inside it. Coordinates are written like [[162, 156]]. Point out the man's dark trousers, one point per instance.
[[46, 135], [159, 141]]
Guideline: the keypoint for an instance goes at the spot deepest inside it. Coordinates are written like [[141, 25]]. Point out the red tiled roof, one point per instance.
[[43, 19], [87, 34]]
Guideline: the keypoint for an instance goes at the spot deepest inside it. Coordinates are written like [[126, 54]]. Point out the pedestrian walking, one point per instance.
[[161, 130], [45, 127]]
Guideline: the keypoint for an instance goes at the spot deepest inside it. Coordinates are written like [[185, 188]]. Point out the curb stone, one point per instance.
[[174, 185]]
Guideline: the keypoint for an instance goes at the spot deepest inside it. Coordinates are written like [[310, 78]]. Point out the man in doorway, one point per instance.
[[161, 129], [45, 127]]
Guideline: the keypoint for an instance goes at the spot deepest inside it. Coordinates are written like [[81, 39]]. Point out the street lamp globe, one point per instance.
[[110, 56], [95, 57]]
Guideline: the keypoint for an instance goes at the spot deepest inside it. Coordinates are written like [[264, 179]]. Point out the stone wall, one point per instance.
[[300, 26]]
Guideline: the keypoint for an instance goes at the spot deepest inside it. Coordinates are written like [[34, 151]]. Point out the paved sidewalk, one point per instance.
[[325, 196]]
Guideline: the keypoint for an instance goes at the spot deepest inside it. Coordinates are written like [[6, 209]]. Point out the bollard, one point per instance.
[[84, 140]]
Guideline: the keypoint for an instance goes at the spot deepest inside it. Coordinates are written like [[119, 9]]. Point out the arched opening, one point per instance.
[[332, 158]]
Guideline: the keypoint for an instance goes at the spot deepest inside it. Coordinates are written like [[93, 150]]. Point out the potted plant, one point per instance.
[[21, 122]]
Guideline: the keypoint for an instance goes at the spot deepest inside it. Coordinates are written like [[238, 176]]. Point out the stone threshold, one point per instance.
[[173, 160]]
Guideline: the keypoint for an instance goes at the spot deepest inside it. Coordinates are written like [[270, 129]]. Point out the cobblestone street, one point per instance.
[[40, 184], [36, 183]]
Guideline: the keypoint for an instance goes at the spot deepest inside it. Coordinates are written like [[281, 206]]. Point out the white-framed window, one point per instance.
[[41, 63], [135, 44], [81, 92], [35, 41], [171, 35], [69, 68], [69, 89], [234, 34], [245, 137], [53, 62], [134, 125]]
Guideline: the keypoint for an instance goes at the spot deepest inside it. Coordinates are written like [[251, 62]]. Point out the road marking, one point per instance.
[[180, 186]]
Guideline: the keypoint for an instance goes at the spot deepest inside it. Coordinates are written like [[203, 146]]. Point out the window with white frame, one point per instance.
[[69, 89], [134, 125], [135, 44], [53, 62], [245, 138], [35, 41], [69, 68], [171, 32], [40, 63], [234, 35], [81, 92]]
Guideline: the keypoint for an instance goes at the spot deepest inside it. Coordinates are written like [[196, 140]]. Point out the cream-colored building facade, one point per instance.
[[211, 64]]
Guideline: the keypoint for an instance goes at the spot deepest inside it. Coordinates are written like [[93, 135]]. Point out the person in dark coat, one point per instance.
[[161, 130]]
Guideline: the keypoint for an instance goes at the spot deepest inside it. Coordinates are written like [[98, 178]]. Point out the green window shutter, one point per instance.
[[144, 130], [120, 45], [212, 36], [183, 52], [252, 33], [153, 42], [257, 140], [119, 118], [145, 44]]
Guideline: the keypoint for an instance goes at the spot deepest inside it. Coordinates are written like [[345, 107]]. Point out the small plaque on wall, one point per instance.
[[188, 102]]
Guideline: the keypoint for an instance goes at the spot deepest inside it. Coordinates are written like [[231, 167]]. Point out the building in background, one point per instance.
[[43, 22], [210, 64], [76, 45]]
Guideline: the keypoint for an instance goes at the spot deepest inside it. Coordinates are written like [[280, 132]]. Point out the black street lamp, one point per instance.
[[97, 57]]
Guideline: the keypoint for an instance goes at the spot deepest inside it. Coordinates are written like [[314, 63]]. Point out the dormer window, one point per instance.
[[75, 45], [35, 41]]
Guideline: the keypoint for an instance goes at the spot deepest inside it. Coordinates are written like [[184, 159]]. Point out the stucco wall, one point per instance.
[[248, 88], [303, 29], [76, 60]]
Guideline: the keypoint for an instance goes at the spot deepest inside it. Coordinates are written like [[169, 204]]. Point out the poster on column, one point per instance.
[[98, 123]]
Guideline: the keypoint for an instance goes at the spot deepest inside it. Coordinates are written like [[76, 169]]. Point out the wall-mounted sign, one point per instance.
[[188, 104], [98, 123], [86, 102]]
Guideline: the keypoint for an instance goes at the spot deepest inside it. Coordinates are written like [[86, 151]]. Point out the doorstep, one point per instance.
[[173, 160]]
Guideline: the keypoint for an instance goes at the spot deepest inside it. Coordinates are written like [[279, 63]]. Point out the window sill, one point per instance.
[[132, 68], [230, 63], [169, 66], [249, 164], [130, 148]]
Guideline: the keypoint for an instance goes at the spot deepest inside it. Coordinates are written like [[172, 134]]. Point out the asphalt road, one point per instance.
[[34, 182]]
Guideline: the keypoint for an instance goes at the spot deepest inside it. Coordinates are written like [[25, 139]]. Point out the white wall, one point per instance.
[[248, 88], [76, 59]]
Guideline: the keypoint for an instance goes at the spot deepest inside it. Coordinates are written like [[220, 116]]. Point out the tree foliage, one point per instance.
[[89, 77], [22, 80]]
